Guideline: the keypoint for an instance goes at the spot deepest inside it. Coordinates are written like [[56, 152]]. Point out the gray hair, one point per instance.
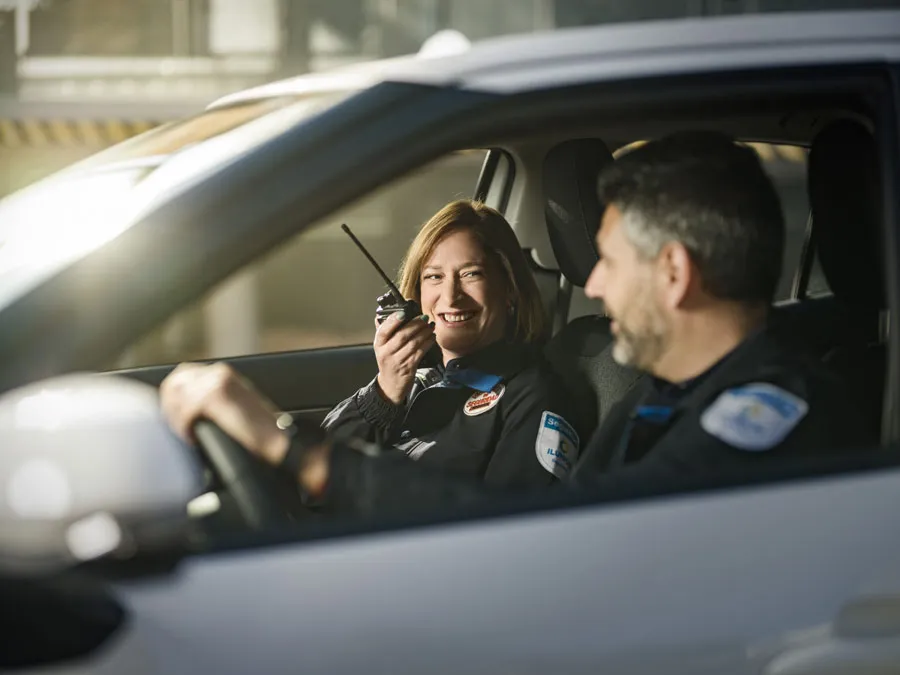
[[710, 195]]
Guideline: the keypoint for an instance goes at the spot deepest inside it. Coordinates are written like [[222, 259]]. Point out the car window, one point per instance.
[[317, 290], [786, 166]]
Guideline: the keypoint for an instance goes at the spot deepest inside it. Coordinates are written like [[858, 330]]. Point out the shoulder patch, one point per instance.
[[556, 445], [754, 417], [482, 401]]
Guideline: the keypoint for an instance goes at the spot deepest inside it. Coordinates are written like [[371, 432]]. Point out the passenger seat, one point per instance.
[[582, 350]]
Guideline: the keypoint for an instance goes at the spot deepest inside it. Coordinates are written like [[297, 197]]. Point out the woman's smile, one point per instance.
[[457, 319]]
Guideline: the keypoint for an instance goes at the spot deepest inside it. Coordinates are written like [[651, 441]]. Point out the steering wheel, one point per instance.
[[244, 477]]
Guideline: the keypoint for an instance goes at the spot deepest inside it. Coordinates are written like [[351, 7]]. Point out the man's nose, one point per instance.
[[594, 286]]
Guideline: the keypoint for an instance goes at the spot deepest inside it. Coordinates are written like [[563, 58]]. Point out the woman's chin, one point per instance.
[[459, 345]]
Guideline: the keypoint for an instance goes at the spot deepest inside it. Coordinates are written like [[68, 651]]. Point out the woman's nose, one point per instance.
[[451, 289]]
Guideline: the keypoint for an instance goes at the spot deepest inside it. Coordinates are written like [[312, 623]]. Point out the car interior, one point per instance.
[[843, 329], [833, 306]]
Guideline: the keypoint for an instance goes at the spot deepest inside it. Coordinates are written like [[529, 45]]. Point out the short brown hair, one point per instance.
[[498, 241]]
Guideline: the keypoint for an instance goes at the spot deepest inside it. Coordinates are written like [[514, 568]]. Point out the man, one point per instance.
[[691, 246]]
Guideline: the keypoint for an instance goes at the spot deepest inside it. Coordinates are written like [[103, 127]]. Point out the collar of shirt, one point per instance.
[[485, 369], [665, 397]]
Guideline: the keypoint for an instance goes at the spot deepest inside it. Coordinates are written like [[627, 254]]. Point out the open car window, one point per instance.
[[315, 290]]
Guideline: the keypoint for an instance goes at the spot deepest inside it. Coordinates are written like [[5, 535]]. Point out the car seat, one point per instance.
[[582, 350]]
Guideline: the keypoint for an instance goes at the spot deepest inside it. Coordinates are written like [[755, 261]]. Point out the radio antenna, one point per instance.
[[377, 267]]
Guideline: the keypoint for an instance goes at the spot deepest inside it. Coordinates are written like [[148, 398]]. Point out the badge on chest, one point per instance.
[[482, 401]]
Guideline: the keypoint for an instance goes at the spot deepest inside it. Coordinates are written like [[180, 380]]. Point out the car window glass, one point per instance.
[[786, 166], [316, 290]]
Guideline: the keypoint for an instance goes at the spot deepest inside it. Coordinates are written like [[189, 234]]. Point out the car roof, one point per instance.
[[534, 61]]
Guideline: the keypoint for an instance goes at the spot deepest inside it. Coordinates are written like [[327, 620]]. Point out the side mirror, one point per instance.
[[89, 468]]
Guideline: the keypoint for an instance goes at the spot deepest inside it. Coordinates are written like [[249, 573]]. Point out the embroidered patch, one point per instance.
[[753, 417], [482, 401], [556, 445]]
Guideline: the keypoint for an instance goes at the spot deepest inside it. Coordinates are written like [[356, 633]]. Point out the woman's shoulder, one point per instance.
[[539, 376], [538, 387]]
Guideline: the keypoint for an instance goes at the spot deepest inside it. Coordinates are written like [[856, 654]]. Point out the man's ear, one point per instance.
[[677, 274]]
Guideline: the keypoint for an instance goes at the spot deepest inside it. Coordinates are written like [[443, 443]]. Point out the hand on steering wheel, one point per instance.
[[234, 425], [242, 476]]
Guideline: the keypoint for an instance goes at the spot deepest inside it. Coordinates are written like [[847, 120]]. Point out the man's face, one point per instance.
[[627, 284]]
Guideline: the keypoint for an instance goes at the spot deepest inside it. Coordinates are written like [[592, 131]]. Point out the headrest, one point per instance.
[[572, 209], [845, 197]]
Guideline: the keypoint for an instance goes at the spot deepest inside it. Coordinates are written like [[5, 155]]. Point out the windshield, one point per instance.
[[66, 216]]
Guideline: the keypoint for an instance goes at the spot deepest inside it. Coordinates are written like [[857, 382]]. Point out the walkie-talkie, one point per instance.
[[393, 301]]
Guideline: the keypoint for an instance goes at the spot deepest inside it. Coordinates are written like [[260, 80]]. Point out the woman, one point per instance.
[[492, 409]]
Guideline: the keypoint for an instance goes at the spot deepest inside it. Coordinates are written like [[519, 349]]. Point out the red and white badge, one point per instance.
[[482, 401]]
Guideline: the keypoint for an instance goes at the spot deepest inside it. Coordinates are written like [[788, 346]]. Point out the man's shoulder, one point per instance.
[[774, 396], [771, 361]]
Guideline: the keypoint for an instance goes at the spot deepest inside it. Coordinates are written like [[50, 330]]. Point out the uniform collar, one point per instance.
[[485, 369], [730, 365]]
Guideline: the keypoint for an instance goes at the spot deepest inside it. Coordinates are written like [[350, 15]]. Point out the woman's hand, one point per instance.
[[398, 350]]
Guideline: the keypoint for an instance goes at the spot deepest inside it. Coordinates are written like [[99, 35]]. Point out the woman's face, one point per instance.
[[464, 293]]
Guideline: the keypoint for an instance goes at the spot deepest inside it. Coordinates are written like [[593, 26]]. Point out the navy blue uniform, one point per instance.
[[760, 403], [500, 415], [758, 407]]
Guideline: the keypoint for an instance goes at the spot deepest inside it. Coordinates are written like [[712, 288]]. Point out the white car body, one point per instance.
[[762, 579]]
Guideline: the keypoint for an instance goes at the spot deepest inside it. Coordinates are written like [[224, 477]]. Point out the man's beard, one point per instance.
[[641, 343]]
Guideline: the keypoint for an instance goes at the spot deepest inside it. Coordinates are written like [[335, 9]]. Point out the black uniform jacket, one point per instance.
[[500, 415], [759, 405]]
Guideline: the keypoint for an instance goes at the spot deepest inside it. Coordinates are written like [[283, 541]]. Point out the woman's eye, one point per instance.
[[432, 277], [473, 273]]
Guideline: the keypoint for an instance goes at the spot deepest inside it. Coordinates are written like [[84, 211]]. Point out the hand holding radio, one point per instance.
[[400, 345], [404, 343]]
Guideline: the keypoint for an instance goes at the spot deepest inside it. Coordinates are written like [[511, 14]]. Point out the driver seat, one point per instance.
[[581, 352]]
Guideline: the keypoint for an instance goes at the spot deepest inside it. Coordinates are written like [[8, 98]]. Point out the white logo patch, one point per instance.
[[482, 401], [556, 445], [754, 417]]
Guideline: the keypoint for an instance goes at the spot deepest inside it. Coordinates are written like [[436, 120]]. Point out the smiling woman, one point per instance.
[[492, 409], [467, 272]]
